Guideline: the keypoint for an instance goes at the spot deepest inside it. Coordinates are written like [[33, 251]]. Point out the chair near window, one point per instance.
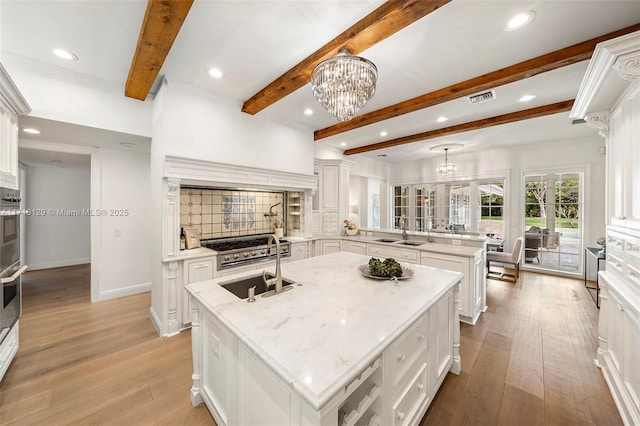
[[532, 244], [504, 258]]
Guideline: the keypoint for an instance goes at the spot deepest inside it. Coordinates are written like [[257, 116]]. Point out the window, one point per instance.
[[553, 221], [475, 206], [491, 196]]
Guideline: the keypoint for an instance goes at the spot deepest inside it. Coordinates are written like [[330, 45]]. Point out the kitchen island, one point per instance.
[[338, 348]]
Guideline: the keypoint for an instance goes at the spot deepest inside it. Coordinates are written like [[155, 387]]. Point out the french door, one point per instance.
[[553, 221]]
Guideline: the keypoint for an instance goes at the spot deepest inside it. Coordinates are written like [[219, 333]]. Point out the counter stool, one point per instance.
[[512, 258]]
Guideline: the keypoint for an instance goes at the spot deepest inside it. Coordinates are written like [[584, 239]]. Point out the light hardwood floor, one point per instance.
[[529, 360]]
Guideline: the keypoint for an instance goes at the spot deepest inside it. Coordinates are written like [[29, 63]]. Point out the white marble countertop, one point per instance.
[[193, 253], [320, 335], [443, 248]]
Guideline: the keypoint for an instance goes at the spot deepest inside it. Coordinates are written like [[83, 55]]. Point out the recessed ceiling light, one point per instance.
[[527, 98], [383, 133], [382, 155], [31, 130], [308, 111], [128, 144], [56, 161], [343, 144], [520, 20], [441, 119], [215, 72], [64, 54]]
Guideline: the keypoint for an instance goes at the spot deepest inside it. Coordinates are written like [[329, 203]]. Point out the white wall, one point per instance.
[[54, 240], [125, 234]]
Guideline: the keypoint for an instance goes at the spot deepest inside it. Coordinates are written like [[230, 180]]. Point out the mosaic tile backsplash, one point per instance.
[[218, 213]]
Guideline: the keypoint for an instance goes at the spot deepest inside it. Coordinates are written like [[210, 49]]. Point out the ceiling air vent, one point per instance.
[[482, 97], [578, 121]]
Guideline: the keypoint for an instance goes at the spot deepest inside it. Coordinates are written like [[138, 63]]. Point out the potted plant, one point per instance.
[[350, 228]]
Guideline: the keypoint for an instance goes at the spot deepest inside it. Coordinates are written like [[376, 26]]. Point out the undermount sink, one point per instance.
[[386, 240], [410, 243], [240, 287]]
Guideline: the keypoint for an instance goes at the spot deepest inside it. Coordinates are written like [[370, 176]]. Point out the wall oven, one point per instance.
[[11, 267]]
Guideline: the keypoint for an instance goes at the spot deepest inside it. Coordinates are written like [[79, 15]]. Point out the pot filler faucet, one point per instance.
[[277, 280]]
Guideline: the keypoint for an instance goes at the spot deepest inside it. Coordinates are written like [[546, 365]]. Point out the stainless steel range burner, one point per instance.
[[243, 250]]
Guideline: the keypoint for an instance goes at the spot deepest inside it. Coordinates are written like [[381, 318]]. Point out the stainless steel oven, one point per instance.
[[11, 267]]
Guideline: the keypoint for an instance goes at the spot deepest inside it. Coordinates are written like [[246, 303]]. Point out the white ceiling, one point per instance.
[[254, 42]]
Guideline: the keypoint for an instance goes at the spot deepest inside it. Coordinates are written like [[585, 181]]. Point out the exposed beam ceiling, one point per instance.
[[162, 21], [465, 127], [550, 61], [386, 20]]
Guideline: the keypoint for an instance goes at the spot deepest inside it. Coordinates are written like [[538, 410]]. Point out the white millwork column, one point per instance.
[[171, 248], [196, 344], [456, 367]]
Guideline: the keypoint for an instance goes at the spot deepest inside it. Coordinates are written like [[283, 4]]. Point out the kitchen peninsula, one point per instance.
[[339, 348]]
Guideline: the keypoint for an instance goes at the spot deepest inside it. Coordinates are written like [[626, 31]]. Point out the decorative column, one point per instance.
[[456, 367], [171, 248], [196, 353]]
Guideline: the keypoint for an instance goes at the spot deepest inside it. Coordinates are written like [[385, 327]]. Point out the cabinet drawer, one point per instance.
[[354, 247], [614, 263], [412, 256], [406, 349], [632, 247], [414, 394], [615, 241]]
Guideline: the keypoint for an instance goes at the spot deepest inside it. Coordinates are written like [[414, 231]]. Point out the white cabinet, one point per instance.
[[440, 341], [330, 246], [194, 270], [613, 61], [398, 253], [9, 348], [621, 360], [298, 251], [12, 105], [217, 363], [623, 155], [331, 205], [472, 288], [354, 247]]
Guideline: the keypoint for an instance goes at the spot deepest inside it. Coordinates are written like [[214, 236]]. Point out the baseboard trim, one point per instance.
[[155, 320], [58, 263], [124, 291]]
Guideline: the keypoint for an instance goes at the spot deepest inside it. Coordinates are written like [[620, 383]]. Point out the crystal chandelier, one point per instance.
[[344, 84], [446, 168]]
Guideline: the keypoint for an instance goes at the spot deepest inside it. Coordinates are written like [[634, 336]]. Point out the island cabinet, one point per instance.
[[395, 389], [310, 356], [472, 289]]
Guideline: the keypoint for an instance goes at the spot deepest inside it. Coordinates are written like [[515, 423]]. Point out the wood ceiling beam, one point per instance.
[[466, 127], [550, 61], [162, 21], [386, 20]]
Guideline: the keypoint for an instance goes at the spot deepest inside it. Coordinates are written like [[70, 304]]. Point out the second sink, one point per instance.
[[410, 243], [386, 240]]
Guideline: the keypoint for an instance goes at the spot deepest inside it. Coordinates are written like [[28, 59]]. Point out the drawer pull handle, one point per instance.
[[631, 274], [401, 415], [421, 387], [401, 357], [620, 307], [618, 265], [421, 337]]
